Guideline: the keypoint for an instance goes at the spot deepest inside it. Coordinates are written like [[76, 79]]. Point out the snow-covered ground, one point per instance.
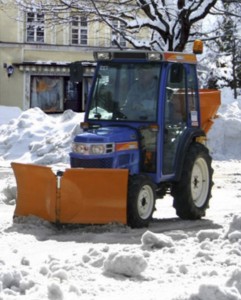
[[171, 260]]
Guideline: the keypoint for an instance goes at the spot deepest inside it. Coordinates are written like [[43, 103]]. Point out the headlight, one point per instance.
[[154, 56], [102, 55], [80, 148], [92, 149], [97, 149]]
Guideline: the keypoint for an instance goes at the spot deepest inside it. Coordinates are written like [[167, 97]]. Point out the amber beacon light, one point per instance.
[[198, 47]]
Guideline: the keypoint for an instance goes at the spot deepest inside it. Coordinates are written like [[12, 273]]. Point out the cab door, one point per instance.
[[181, 113]]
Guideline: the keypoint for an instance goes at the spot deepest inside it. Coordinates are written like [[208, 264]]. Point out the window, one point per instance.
[[47, 93], [175, 114], [35, 27], [176, 95], [126, 91], [192, 88], [79, 30], [117, 37]]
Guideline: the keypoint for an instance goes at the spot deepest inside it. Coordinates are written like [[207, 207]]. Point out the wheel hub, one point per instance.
[[199, 182], [145, 202], [196, 182]]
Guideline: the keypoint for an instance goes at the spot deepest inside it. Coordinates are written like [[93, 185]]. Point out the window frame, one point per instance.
[[116, 27], [35, 27], [79, 30]]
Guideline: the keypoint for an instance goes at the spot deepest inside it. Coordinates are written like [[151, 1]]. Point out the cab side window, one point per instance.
[[192, 96], [175, 114], [176, 94]]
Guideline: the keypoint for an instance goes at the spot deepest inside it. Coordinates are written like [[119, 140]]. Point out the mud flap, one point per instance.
[[78, 196]]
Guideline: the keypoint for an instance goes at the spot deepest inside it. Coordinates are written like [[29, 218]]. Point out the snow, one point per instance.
[[36, 137], [224, 138], [9, 113], [172, 259]]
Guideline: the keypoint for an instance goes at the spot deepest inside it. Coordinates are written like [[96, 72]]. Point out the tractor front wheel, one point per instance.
[[193, 191], [141, 201]]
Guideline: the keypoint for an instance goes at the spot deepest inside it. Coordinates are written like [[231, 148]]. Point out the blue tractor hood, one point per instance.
[[112, 134], [121, 149]]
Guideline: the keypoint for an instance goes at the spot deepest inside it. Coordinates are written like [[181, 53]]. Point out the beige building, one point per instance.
[[35, 59]]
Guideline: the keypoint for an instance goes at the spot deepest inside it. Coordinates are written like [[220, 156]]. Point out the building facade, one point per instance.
[[35, 59]]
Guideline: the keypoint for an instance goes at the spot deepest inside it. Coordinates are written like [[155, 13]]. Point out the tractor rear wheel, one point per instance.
[[193, 191], [141, 201]]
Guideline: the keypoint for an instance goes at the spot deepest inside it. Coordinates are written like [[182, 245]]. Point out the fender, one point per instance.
[[188, 137]]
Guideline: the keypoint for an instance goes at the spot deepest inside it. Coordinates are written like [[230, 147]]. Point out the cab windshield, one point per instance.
[[125, 91]]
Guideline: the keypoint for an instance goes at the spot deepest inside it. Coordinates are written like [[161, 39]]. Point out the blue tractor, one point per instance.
[[143, 137], [143, 115]]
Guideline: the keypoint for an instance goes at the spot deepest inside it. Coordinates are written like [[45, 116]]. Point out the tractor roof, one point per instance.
[[146, 56]]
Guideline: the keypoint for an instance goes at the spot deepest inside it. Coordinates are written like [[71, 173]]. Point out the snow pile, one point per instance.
[[9, 190], [235, 280], [224, 137], [234, 231], [211, 292], [150, 240], [207, 234], [230, 291], [125, 263], [39, 138]]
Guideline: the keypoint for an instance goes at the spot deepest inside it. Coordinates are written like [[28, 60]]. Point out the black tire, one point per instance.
[[193, 192], [141, 201]]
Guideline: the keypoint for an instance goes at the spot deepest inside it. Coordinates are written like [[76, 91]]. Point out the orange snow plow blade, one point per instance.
[[36, 191], [78, 196], [93, 196], [210, 101]]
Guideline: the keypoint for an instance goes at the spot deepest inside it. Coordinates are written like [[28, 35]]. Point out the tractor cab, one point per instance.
[[140, 106]]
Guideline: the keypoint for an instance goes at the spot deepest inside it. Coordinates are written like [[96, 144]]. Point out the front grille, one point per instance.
[[91, 163], [124, 159]]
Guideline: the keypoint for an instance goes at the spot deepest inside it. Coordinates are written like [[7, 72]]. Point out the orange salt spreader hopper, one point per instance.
[[210, 101]]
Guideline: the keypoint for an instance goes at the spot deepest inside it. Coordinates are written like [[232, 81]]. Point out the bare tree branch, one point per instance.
[[146, 24]]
